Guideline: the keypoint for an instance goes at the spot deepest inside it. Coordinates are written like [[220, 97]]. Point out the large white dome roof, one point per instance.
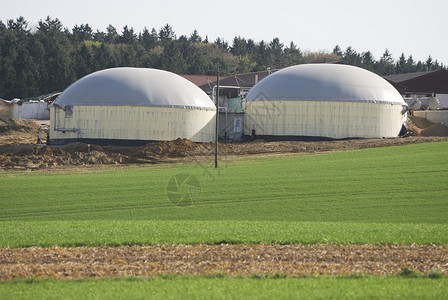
[[325, 82], [135, 87]]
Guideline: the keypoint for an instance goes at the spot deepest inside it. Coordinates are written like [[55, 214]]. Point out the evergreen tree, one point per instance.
[[367, 61], [8, 51], [401, 66], [148, 40], [103, 57], [262, 56], [111, 35], [166, 34], [34, 62], [275, 54], [293, 55], [194, 37], [410, 64], [251, 47], [337, 51], [386, 64], [199, 63], [58, 73], [351, 57], [172, 59], [420, 67], [19, 26], [429, 63], [84, 61], [128, 36], [239, 46], [82, 33], [99, 36], [221, 44]]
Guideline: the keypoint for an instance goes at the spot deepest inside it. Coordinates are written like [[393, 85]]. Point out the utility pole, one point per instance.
[[217, 120]]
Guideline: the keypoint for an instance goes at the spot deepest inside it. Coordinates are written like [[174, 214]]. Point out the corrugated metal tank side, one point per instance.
[[31, 110], [330, 119], [133, 123]]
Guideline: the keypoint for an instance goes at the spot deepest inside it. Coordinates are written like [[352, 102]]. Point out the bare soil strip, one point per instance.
[[234, 260], [33, 157], [18, 150]]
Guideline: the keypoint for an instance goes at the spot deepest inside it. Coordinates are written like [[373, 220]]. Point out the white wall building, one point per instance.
[[132, 106]]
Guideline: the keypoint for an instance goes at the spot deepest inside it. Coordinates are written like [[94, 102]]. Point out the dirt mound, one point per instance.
[[8, 126], [19, 131], [30, 157], [176, 148], [81, 147], [78, 154], [438, 129], [35, 157], [421, 123], [40, 151], [422, 127]]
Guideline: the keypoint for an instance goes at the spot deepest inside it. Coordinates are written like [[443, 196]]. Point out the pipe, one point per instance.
[[63, 129], [68, 129]]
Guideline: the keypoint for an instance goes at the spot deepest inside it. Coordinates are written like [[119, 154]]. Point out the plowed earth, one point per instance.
[[234, 260]]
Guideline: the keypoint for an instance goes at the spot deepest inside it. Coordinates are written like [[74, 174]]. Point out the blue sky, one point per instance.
[[414, 27]]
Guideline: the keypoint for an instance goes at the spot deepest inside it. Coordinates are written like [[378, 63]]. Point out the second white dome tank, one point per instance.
[[324, 100]]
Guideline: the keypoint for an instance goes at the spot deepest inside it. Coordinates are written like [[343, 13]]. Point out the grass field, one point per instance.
[[396, 195], [384, 195], [114, 233], [200, 287]]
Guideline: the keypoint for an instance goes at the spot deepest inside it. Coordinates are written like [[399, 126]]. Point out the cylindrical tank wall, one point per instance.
[[133, 123], [332, 119]]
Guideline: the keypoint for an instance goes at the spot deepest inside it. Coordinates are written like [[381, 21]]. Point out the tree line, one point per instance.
[[50, 57]]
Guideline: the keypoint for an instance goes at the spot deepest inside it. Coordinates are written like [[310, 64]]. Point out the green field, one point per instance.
[[199, 287], [113, 233], [395, 195], [384, 195]]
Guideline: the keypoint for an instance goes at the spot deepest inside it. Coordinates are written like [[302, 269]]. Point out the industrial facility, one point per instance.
[[425, 92], [132, 106], [324, 100], [423, 85]]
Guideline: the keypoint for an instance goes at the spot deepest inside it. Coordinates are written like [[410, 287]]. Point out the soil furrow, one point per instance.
[[234, 260]]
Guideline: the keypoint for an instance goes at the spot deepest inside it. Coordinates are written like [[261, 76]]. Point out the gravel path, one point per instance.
[[234, 260]]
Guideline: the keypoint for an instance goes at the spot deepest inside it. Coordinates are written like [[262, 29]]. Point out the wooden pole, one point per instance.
[[217, 120]]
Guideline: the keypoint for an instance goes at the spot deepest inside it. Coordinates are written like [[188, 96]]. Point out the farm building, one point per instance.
[[428, 90], [232, 90], [426, 84], [324, 100], [31, 108], [132, 106]]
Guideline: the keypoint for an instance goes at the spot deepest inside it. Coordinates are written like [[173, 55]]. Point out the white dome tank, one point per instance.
[[324, 100], [132, 105]]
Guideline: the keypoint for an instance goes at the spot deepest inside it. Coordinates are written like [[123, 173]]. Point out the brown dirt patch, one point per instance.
[[32, 157], [234, 260], [18, 150], [18, 131], [421, 123], [438, 129], [421, 127], [8, 126]]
